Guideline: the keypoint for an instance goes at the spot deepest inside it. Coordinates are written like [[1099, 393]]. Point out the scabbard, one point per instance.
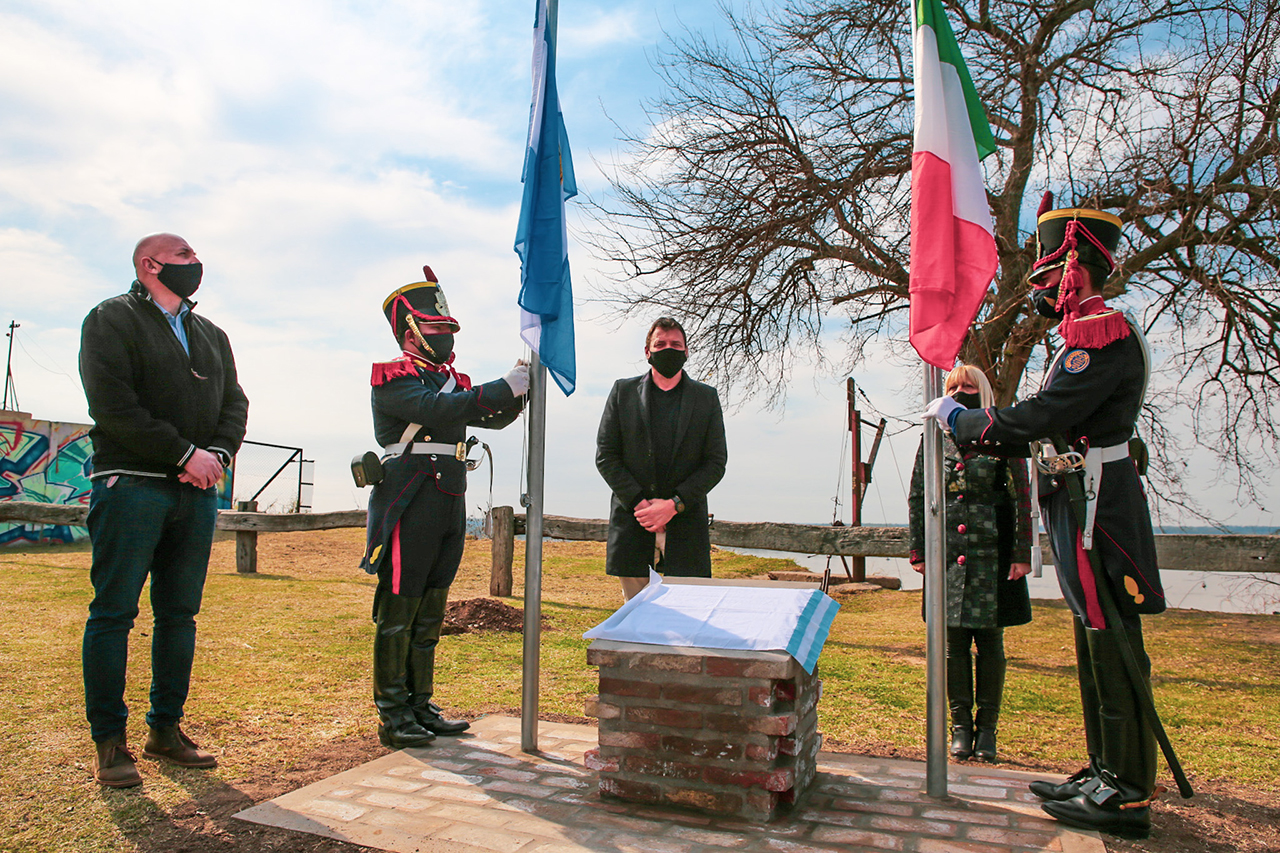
[[1146, 701]]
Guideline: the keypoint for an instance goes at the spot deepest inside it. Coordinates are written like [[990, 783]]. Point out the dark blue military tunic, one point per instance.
[[417, 515], [1091, 399]]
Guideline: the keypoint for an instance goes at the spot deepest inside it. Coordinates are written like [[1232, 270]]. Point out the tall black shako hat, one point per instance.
[[423, 301], [1092, 235]]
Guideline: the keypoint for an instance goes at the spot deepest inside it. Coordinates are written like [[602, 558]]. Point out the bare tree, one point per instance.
[[768, 202]]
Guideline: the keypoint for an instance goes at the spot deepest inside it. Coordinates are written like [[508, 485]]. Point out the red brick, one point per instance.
[[630, 740], [780, 779], [601, 710], [665, 663], [912, 825], [592, 759], [720, 802], [603, 657], [748, 668], [635, 791], [765, 697], [701, 695], [701, 747], [786, 690], [758, 752], [624, 687], [772, 725], [762, 801], [950, 845], [646, 766], [878, 840], [672, 717], [1004, 836]]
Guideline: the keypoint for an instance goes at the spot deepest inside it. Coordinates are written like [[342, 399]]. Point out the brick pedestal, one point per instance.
[[726, 732]]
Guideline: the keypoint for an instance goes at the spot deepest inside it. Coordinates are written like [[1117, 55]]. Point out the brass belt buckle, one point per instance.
[[460, 451]]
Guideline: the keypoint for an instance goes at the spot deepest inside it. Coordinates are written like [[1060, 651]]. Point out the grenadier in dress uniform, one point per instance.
[[1090, 401], [422, 407]]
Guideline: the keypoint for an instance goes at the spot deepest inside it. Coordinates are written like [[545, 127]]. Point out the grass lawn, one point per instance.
[[282, 688]]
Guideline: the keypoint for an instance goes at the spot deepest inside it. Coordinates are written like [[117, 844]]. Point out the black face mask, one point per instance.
[[182, 279], [1045, 302], [668, 361], [437, 348], [969, 401]]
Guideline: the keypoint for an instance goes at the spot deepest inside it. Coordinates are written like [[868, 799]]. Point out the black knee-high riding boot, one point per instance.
[[393, 617]]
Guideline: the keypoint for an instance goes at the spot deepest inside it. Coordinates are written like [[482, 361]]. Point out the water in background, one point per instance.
[[1219, 592]]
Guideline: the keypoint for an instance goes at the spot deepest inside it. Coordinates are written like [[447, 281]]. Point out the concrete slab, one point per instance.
[[481, 794]]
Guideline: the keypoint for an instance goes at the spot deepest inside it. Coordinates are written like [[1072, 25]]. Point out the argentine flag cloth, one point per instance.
[[721, 616]]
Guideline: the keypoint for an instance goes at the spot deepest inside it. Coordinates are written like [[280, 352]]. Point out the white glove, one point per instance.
[[518, 378], [940, 410]]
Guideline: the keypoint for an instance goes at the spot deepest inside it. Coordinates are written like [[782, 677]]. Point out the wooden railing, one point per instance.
[[1174, 551]]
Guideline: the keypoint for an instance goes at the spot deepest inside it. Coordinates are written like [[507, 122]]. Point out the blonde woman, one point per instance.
[[988, 556]]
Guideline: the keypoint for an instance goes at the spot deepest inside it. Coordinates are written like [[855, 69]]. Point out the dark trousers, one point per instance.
[[989, 663], [142, 526]]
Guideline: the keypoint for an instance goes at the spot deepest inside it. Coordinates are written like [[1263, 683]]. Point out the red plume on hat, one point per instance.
[[1066, 238]]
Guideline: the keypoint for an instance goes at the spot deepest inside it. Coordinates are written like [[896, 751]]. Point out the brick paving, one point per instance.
[[481, 794]]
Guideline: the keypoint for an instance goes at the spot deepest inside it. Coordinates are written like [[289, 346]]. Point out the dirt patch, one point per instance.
[[483, 614]]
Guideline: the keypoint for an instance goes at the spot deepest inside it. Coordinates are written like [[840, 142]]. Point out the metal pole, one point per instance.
[[533, 555], [935, 520], [8, 371]]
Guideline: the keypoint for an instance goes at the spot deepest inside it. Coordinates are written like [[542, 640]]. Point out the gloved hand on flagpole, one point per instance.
[[943, 410], [518, 378]]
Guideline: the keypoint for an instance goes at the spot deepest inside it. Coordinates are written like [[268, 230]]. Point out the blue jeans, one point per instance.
[[140, 526]]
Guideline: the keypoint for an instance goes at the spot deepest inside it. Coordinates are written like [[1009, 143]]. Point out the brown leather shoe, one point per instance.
[[113, 764], [170, 744]]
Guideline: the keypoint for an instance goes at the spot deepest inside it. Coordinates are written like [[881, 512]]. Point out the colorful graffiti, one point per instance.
[[46, 462], [50, 462]]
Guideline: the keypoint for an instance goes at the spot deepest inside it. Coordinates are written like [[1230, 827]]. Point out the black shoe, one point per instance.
[[984, 745], [431, 719], [961, 742], [1105, 804], [404, 736], [1065, 790]]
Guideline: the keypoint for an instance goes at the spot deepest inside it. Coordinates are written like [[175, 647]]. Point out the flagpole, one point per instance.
[[935, 591], [533, 556]]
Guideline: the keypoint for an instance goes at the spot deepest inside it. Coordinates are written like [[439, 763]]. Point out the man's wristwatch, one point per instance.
[[675, 499]]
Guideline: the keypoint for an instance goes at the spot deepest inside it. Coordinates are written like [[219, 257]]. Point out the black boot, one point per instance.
[[990, 669], [393, 615], [1106, 804], [422, 665], [960, 693], [1068, 789], [1128, 746]]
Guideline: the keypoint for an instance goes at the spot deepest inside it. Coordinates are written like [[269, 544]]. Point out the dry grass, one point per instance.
[[282, 670]]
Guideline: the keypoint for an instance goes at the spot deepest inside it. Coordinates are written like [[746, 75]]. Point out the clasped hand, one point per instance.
[[203, 470], [654, 515]]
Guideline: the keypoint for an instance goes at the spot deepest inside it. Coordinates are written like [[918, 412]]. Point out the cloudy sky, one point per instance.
[[317, 154]]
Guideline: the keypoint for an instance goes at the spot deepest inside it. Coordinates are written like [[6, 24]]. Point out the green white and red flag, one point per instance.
[[953, 247]]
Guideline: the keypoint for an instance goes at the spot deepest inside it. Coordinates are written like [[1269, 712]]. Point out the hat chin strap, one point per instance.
[[422, 342]]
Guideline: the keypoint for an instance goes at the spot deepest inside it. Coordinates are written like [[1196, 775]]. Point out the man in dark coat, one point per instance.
[[1091, 402], [661, 448], [417, 513], [168, 416]]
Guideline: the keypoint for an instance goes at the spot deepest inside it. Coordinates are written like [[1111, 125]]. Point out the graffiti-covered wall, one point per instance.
[[47, 462]]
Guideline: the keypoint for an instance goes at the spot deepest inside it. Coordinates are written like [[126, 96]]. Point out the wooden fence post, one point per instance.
[[504, 549], [246, 542]]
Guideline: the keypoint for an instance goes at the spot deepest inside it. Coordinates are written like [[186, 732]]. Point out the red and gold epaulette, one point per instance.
[[385, 371], [1094, 331]]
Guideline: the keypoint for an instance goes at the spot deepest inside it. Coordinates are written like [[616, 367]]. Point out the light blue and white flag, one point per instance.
[[542, 241]]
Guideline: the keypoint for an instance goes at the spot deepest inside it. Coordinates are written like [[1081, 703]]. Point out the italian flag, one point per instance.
[[953, 247]]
